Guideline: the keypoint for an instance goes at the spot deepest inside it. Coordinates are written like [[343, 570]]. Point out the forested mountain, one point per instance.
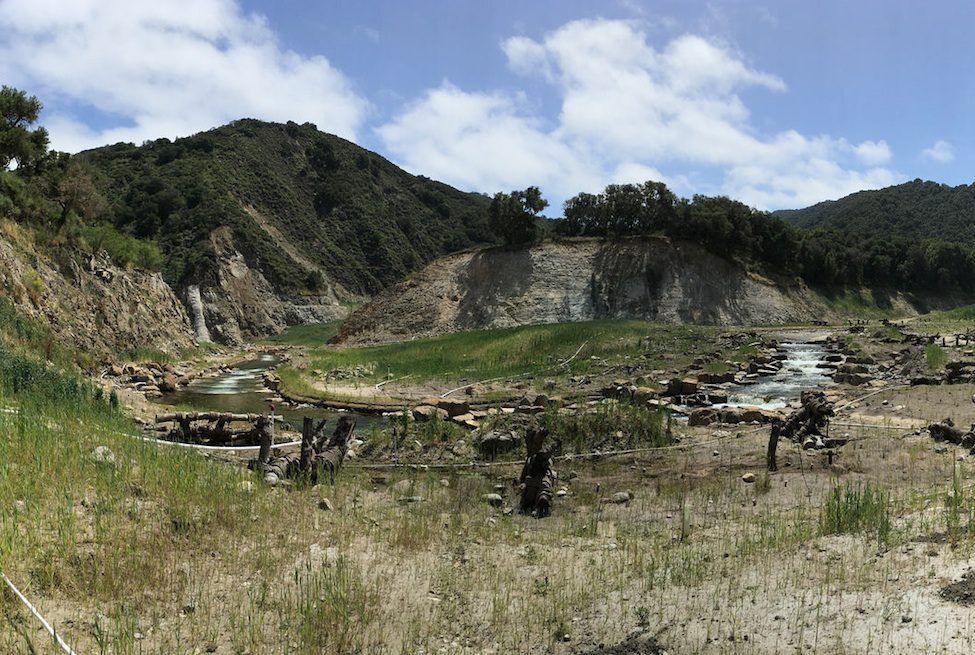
[[917, 210], [302, 206]]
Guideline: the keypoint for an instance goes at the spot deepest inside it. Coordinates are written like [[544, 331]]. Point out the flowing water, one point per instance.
[[241, 390], [799, 371]]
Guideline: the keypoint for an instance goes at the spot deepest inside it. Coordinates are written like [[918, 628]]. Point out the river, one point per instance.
[[799, 371], [241, 390]]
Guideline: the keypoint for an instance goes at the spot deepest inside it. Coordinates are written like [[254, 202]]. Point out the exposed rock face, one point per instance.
[[647, 278], [244, 305], [94, 305], [194, 303]]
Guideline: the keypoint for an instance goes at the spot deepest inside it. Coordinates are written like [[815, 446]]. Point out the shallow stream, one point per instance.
[[241, 390], [799, 371]]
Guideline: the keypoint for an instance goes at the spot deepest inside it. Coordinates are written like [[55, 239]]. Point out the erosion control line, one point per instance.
[[33, 610]]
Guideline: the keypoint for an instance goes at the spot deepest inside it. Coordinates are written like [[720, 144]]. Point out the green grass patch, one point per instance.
[[313, 334], [525, 350], [860, 303], [856, 509], [935, 356]]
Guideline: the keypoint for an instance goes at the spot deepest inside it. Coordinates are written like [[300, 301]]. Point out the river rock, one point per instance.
[[168, 383], [494, 500], [703, 416], [429, 412], [452, 406], [620, 498], [103, 455]]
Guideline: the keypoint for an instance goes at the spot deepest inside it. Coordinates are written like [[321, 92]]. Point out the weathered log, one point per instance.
[[319, 463], [208, 416], [537, 476]]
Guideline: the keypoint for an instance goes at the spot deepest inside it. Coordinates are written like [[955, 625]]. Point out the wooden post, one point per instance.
[[264, 440], [307, 444], [773, 444]]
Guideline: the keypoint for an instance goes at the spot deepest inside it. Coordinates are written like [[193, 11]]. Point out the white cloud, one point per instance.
[[941, 152], [165, 68], [629, 108], [873, 152], [483, 141]]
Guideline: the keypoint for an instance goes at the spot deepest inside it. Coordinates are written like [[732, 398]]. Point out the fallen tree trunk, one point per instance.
[[320, 458]]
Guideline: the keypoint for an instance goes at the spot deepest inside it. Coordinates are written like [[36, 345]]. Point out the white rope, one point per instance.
[[216, 449], [33, 610]]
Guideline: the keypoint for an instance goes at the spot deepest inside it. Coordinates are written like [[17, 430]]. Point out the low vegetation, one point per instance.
[[532, 350]]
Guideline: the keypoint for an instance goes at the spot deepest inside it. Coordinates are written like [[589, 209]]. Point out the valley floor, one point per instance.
[[147, 548]]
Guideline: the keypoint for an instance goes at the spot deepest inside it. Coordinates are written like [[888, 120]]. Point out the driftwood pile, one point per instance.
[[319, 460], [804, 426], [216, 428]]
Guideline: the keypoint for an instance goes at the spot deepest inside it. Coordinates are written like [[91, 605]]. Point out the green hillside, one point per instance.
[[358, 217], [917, 210]]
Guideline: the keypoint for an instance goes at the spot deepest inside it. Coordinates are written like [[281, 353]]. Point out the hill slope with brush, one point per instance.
[[279, 224]]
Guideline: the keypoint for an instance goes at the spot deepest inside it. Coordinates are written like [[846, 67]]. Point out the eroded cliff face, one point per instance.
[[653, 279], [243, 305], [91, 303]]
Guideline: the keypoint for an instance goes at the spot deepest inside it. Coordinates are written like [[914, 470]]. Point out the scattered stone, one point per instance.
[[246, 486], [429, 412], [620, 498], [406, 500], [20, 506], [494, 500], [325, 505], [103, 455], [748, 478]]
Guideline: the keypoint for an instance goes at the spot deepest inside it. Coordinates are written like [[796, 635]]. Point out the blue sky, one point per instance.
[[780, 104]]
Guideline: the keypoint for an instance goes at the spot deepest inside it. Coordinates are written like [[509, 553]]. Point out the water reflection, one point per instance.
[[241, 390]]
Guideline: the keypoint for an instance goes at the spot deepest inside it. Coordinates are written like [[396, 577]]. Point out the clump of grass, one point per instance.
[[609, 425], [856, 509], [333, 607], [935, 356]]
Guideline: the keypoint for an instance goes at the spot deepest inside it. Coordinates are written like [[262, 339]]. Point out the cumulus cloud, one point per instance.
[[165, 69], [873, 152], [941, 152], [483, 141], [629, 109]]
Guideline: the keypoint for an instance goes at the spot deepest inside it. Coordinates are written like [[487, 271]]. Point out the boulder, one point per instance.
[[496, 442], [682, 387], [715, 378], [452, 406], [429, 412], [168, 383], [853, 379], [703, 416], [747, 415], [620, 498], [494, 500]]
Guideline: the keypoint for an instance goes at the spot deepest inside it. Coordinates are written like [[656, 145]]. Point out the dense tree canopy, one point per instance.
[[512, 216], [823, 256], [19, 143]]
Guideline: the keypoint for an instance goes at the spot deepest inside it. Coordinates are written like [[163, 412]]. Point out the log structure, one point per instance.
[[216, 428], [319, 459], [946, 431], [803, 426], [537, 476]]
